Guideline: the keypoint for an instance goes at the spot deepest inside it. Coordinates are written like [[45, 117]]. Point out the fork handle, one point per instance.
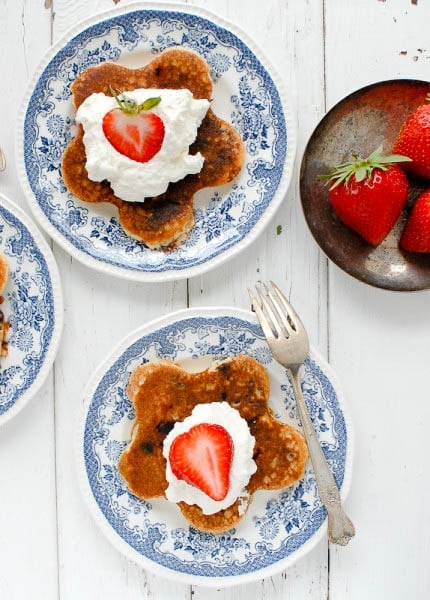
[[340, 527]]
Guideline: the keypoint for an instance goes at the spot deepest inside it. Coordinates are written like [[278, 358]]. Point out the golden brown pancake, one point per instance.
[[4, 325], [161, 221], [4, 270], [164, 392]]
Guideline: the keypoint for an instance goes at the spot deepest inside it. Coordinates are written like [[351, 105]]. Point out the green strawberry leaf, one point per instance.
[[362, 168], [131, 107], [150, 103]]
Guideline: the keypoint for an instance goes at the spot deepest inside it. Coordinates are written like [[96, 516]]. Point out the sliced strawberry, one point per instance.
[[202, 457], [416, 233], [132, 130]]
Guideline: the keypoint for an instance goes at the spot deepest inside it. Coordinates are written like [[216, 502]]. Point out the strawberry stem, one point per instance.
[[131, 107], [362, 168]]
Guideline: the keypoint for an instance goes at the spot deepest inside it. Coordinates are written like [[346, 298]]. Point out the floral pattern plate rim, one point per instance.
[[33, 305], [279, 527], [246, 93]]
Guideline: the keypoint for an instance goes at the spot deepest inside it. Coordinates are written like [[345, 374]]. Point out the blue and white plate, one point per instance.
[[33, 306], [279, 526], [246, 93]]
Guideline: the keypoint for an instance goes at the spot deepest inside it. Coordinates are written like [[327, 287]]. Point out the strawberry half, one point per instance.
[[368, 194], [413, 140], [416, 233], [202, 457], [132, 130]]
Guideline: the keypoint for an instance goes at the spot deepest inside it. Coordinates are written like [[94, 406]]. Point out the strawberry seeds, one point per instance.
[[132, 130]]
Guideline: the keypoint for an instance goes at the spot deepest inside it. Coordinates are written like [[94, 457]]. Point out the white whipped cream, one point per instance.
[[131, 180], [242, 466]]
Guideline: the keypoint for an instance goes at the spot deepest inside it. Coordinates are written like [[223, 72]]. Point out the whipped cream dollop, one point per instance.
[[242, 466], [131, 180]]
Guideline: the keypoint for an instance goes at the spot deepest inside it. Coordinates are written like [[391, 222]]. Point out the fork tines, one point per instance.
[[276, 315]]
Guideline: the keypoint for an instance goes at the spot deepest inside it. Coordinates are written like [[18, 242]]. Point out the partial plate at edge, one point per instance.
[[32, 304]]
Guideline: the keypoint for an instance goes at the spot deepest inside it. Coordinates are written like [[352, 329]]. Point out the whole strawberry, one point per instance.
[[416, 233], [368, 194], [413, 140]]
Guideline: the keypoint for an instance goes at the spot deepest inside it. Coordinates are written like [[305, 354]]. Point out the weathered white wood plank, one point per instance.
[[28, 545], [312, 31], [98, 316], [387, 500], [379, 343], [99, 313], [289, 34], [24, 37]]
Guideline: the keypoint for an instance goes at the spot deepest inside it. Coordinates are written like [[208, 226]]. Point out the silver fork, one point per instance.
[[288, 342]]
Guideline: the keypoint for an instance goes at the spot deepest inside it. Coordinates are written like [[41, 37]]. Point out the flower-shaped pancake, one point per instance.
[[164, 393], [161, 221]]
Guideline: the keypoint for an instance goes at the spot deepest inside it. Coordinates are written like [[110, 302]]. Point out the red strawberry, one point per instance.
[[202, 457], [132, 130], [416, 233], [413, 140], [368, 195]]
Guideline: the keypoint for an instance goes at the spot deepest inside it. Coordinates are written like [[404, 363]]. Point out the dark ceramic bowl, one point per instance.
[[358, 124]]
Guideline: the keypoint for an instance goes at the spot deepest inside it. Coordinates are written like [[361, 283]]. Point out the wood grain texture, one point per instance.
[[377, 342], [287, 33], [28, 524]]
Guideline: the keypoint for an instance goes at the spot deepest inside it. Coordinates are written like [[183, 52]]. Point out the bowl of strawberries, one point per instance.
[[365, 184]]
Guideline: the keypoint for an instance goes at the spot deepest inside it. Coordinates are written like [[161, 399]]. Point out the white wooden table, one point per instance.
[[378, 342]]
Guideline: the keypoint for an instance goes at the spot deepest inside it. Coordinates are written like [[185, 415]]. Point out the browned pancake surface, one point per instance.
[[4, 270], [163, 393], [4, 325], [163, 220]]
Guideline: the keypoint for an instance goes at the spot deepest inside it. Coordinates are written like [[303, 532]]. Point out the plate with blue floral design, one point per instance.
[[246, 93], [279, 527], [32, 305]]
